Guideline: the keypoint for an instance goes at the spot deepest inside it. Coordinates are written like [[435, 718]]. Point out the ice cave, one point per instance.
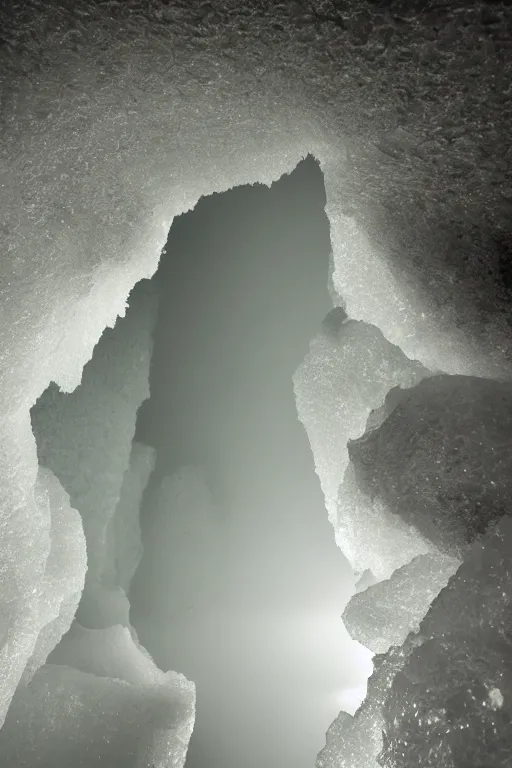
[[256, 367]]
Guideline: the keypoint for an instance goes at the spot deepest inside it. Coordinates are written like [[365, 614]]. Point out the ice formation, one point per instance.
[[439, 460], [117, 117], [383, 614], [85, 437], [450, 703], [105, 700], [348, 372], [442, 460]]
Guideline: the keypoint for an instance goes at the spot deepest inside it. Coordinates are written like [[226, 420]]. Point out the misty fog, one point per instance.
[[241, 586]]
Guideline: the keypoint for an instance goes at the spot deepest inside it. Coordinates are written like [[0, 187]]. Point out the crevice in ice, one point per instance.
[[84, 440], [349, 383], [241, 585]]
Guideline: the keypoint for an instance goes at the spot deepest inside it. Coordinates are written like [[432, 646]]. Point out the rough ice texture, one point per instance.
[[442, 460], [451, 703], [85, 437], [118, 116], [384, 614], [70, 717], [63, 581], [371, 535], [355, 741], [347, 373], [443, 697]]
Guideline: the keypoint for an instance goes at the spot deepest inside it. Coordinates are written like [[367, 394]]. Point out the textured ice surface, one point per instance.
[[451, 703], [441, 697], [371, 535], [442, 460], [85, 437], [347, 373], [63, 581], [117, 116], [385, 613], [355, 741], [67, 717]]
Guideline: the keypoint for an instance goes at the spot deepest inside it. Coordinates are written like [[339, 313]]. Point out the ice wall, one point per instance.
[[115, 120], [347, 373], [103, 700], [85, 437]]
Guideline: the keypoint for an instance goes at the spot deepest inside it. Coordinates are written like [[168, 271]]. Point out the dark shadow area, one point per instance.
[[243, 288]]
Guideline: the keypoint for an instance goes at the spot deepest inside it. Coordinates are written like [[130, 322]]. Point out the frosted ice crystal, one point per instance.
[[384, 614], [129, 711], [442, 460], [70, 717], [371, 535], [347, 373], [63, 581], [451, 703]]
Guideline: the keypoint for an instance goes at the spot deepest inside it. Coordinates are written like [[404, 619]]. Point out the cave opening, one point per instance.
[[239, 584]]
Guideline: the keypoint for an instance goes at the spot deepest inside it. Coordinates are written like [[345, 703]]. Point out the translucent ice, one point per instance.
[[70, 717], [371, 535], [347, 373], [85, 437], [63, 581], [451, 703], [384, 614]]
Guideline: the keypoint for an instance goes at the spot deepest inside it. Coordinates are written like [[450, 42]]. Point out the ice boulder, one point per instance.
[[67, 717], [451, 703], [348, 371], [443, 696], [442, 460], [385, 613], [371, 535]]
